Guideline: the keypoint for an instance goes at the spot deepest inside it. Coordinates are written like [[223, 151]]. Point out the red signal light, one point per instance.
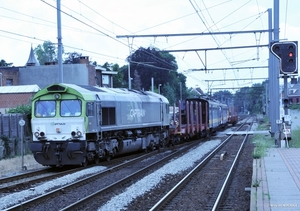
[[291, 54]]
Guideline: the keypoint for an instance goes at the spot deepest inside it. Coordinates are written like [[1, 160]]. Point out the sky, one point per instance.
[[91, 28]]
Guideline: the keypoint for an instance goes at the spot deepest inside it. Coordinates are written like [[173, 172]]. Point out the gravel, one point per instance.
[[119, 202], [18, 197]]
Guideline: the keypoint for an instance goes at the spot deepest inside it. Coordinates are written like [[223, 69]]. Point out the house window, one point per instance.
[[105, 80], [9, 82]]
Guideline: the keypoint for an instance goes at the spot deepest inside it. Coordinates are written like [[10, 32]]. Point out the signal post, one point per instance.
[[287, 53]]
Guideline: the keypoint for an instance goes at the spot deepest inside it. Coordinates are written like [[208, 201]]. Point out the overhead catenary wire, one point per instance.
[[208, 26], [114, 49]]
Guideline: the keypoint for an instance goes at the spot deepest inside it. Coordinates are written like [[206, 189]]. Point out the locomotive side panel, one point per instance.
[[129, 111]]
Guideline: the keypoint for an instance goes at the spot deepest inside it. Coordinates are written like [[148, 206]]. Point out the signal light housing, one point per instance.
[[287, 53]]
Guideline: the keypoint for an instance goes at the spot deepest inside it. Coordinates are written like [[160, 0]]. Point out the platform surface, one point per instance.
[[276, 181]]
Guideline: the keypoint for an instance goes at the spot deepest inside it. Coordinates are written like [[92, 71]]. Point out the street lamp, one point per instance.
[[159, 85]]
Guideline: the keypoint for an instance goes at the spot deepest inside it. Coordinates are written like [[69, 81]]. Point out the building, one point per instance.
[[34, 76], [13, 96], [294, 93]]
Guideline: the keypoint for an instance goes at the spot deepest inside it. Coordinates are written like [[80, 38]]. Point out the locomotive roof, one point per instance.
[[91, 92]]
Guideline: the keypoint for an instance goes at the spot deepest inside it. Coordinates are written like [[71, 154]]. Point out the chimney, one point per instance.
[[84, 60], [50, 63]]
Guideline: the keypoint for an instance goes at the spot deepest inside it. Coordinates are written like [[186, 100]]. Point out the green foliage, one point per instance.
[[294, 106], [223, 96], [22, 109], [295, 141], [5, 140], [72, 58], [149, 63], [169, 93], [251, 99], [261, 144], [3, 63], [264, 125], [47, 52], [118, 79]]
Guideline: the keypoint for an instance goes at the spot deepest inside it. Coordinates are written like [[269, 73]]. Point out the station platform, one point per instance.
[[276, 181]]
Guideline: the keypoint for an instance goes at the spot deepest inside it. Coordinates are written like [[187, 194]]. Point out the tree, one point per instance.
[[137, 83], [46, 52], [169, 93], [256, 93], [118, 79], [149, 63], [3, 63], [224, 96]]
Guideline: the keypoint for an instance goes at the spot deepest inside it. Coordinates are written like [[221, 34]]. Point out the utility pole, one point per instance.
[[59, 43]]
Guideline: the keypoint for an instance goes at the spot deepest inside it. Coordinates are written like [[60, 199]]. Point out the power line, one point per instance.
[[218, 48], [107, 35], [193, 34]]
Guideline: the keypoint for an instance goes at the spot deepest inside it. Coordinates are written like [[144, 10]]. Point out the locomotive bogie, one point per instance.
[[59, 153]]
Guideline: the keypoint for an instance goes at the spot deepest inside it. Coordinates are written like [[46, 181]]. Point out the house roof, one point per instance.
[[19, 89], [32, 61]]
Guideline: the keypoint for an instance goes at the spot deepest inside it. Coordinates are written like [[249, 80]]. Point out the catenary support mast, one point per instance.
[[59, 43]]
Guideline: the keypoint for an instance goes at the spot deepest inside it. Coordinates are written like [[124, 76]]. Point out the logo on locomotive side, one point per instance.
[[136, 112], [58, 123]]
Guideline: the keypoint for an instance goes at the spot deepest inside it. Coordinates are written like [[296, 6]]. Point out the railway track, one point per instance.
[[187, 189], [104, 178], [30, 179], [95, 189]]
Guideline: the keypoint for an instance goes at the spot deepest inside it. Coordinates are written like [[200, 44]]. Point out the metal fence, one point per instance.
[[11, 134]]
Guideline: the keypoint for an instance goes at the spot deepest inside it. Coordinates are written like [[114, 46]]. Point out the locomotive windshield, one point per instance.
[[70, 108], [45, 108]]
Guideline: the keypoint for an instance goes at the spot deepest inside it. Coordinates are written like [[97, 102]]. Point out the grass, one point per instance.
[[295, 142], [13, 165], [261, 144]]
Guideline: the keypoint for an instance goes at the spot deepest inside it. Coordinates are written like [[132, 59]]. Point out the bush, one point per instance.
[[295, 142], [261, 143], [5, 140]]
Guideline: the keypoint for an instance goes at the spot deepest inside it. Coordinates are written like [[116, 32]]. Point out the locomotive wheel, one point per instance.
[[96, 160], [108, 157], [85, 162], [151, 146]]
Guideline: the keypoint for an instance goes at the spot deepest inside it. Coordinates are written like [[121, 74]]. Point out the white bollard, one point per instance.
[[282, 144]]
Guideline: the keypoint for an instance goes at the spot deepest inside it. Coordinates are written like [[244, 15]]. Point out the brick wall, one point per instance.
[[13, 100], [91, 74], [10, 73]]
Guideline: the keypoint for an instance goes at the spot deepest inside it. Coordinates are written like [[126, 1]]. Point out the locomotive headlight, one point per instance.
[[73, 133], [57, 96], [76, 134], [79, 134], [39, 134]]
